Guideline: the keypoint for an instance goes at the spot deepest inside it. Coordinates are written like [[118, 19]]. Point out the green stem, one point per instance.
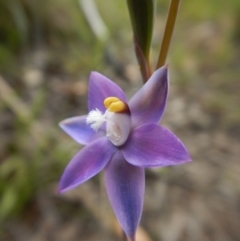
[[172, 15]]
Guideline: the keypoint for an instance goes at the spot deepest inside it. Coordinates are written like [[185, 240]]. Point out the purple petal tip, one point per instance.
[[87, 163], [125, 188], [151, 145]]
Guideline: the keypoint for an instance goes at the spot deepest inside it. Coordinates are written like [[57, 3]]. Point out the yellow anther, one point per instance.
[[113, 104], [108, 101]]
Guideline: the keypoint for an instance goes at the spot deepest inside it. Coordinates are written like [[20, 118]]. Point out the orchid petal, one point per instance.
[[148, 104], [125, 185], [87, 163], [100, 87], [151, 145], [79, 130]]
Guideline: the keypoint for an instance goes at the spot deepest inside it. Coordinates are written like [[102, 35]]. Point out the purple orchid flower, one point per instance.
[[122, 137]]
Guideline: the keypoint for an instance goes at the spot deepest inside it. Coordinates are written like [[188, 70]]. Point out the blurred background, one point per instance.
[[47, 50]]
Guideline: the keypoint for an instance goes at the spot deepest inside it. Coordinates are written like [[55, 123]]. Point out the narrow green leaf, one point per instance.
[[142, 17]]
